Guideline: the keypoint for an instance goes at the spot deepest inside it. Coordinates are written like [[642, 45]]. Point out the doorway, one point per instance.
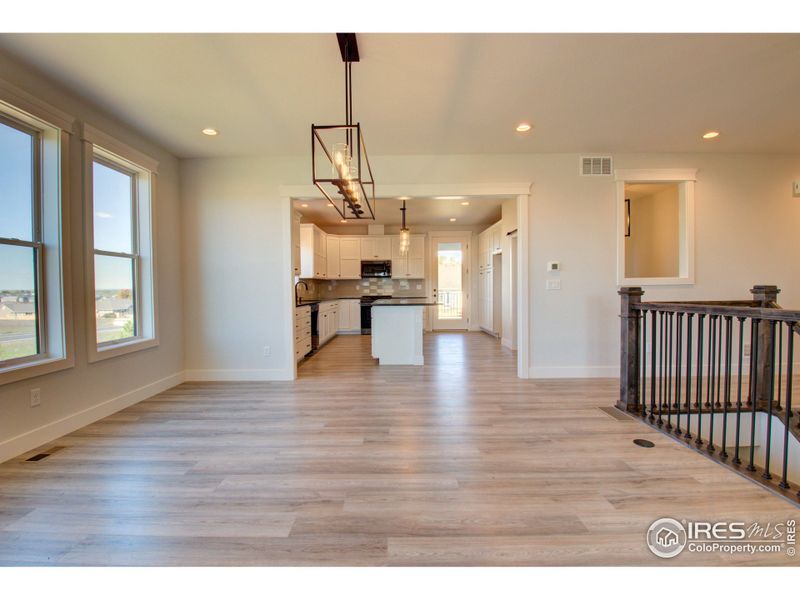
[[450, 282]]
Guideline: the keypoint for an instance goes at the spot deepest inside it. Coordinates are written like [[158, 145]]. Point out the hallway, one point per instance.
[[454, 463]]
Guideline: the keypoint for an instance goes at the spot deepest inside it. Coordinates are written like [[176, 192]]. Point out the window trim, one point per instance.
[[685, 178], [51, 233], [100, 147]]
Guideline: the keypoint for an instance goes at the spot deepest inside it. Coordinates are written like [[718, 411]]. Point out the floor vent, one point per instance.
[[643, 443], [595, 165]]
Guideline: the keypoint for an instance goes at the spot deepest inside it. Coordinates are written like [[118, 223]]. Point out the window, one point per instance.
[[655, 226], [120, 265], [20, 244], [33, 280]]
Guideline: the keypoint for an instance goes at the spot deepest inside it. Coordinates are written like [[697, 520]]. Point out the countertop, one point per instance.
[[310, 302], [404, 302]]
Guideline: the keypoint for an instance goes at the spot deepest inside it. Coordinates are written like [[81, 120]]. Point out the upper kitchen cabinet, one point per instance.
[[332, 259], [376, 248], [296, 243], [313, 252], [349, 258], [412, 265]]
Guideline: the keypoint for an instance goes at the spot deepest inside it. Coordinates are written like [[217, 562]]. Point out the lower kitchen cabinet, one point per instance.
[[349, 316], [302, 332], [327, 320]]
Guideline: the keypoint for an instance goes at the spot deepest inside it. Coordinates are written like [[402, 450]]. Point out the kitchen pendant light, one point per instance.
[[405, 234], [339, 161]]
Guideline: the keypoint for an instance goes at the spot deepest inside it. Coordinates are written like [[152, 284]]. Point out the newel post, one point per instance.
[[767, 297], [629, 349]]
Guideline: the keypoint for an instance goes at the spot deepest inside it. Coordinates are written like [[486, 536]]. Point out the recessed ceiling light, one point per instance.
[[210, 131], [465, 204], [710, 135], [343, 221], [523, 127], [404, 197], [448, 197], [452, 219], [304, 205], [329, 205]]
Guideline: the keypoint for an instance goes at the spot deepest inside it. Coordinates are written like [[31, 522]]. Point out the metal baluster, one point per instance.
[[712, 355], [678, 368], [662, 345], [643, 387], [780, 366], [736, 460], [788, 415], [688, 434], [669, 371], [698, 397], [754, 324], [653, 330], [727, 400], [766, 473], [718, 385]]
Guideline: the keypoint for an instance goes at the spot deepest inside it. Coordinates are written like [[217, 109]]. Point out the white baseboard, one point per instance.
[[506, 342], [46, 433], [573, 372], [239, 375]]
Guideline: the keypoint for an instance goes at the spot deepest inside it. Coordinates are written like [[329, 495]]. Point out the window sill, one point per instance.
[[98, 353], [34, 368]]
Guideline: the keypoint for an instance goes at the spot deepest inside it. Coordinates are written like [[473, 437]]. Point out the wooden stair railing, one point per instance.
[[688, 368]]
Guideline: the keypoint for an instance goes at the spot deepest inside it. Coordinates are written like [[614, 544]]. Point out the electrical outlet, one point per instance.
[[419, 286], [36, 397], [267, 351], [553, 284]]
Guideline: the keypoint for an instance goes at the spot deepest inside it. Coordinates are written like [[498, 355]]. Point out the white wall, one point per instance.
[[745, 219], [82, 394]]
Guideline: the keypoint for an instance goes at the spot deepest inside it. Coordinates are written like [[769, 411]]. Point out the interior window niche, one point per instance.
[[655, 232]]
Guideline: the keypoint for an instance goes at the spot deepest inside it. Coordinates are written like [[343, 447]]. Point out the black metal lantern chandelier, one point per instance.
[[339, 161]]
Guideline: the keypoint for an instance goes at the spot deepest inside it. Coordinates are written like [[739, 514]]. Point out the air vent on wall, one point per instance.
[[595, 165]]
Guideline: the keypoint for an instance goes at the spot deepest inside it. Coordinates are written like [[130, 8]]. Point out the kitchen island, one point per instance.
[[397, 329]]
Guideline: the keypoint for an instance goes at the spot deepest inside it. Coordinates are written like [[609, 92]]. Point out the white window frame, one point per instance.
[[685, 178], [143, 169], [52, 128]]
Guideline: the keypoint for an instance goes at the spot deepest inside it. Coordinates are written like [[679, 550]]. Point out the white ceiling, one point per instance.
[[438, 93], [419, 211]]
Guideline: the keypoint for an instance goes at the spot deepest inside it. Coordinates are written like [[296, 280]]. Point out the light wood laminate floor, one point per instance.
[[454, 463]]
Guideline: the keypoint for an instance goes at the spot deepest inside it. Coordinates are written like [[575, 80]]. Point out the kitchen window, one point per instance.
[[34, 333], [121, 264]]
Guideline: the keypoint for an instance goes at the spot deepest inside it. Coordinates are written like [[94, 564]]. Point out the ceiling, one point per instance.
[[438, 93], [419, 211]]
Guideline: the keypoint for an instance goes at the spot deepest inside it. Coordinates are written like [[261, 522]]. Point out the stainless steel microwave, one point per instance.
[[376, 268]]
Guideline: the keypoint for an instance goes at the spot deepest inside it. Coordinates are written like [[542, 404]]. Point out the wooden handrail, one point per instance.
[[722, 310]]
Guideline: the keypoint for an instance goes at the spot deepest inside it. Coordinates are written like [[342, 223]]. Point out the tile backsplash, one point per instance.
[[349, 288]]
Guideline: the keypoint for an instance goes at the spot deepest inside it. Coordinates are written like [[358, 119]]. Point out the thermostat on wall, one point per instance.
[[796, 189], [554, 265]]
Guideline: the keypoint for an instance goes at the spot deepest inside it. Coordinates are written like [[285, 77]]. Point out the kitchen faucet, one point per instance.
[[296, 295]]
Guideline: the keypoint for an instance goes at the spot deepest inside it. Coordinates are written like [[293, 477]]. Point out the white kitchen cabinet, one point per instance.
[[350, 268], [327, 321], [349, 316], [332, 260], [350, 248], [497, 238], [302, 332], [412, 265], [296, 243], [313, 252], [376, 248]]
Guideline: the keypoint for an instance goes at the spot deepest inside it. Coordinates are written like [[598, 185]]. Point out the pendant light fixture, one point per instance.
[[339, 161], [405, 234]]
